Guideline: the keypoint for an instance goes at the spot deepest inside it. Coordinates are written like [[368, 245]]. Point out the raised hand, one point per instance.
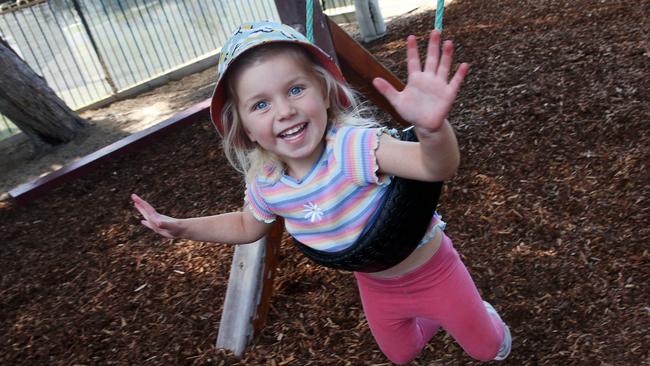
[[429, 94], [164, 225]]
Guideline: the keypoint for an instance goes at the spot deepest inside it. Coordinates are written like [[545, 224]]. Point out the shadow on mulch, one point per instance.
[[549, 211]]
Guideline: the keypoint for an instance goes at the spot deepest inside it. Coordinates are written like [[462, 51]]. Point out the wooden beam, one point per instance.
[[294, 12], [273, 240], [242, 295], [360, 67], [250, 286], [27, 192]]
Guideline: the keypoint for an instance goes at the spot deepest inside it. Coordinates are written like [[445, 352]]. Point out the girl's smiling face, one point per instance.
[[283, 108]]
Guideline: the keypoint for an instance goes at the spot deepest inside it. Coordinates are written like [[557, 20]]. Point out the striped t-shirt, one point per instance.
[[329, 208]]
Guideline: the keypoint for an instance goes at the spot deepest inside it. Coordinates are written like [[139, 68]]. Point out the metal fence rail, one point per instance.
[[88, 50]]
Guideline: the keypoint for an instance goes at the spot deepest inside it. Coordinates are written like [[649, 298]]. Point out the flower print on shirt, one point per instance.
[[313, 212]]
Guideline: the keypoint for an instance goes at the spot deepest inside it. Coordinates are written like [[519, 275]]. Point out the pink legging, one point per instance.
[[406, 311]]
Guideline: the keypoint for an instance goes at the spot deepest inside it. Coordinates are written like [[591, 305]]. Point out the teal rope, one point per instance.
[[440, 9], [310, 20]]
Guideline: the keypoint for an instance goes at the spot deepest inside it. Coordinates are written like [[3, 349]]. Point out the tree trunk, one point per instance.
[[27, 100]]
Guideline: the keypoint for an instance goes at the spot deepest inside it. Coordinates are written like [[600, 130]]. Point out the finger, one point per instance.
[[433, 52], [458, 77], [141, 210], [149, 213], [137, 202], [386, 89], [412, 57], [137, 199], [147, 224], [141, 206], [145, 206], [446, 59]]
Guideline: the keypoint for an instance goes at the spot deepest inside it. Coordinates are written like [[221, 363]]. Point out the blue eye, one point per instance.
[[295, 90], [260, 105]]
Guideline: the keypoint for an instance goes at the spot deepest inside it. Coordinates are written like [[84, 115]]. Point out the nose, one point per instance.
[[284, 109]]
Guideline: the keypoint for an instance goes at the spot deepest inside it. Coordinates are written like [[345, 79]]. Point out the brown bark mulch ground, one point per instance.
[[549, 211]]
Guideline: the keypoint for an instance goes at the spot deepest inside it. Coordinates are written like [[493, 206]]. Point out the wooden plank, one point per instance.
[[293, 13], [27, 192], [360, 67], [242, 295], [273, 240], [250, 286]]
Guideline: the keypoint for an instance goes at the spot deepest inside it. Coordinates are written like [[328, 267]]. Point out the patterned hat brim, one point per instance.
[[219, 94]]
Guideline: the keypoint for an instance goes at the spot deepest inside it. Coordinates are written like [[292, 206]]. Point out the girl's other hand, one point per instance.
[[166, 226], [429, 94]]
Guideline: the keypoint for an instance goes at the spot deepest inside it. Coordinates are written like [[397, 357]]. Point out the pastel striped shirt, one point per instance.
[[329, 208]]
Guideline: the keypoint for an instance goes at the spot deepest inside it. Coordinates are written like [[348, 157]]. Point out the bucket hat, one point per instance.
[[254, 34]]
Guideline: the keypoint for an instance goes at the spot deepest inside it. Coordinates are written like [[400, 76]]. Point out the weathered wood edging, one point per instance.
[[28, 192]]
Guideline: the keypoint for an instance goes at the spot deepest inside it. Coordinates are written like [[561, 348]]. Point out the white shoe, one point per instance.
[[506, 345]]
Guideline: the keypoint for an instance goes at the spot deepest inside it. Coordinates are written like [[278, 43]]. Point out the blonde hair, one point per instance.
[[249, 158]]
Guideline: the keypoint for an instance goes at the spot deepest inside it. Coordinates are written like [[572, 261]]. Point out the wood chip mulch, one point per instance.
[[549, 211]]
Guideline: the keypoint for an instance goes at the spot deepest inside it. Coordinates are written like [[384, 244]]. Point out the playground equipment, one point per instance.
[[371, 22], [253, 267]]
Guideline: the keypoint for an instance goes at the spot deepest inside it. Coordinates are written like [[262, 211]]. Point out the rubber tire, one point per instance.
[[402, 221]]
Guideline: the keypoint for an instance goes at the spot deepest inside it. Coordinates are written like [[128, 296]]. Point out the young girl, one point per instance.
[[294, 128]]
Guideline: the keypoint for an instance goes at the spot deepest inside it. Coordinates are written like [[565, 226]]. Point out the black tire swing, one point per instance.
[[400, 222], [397, 228]]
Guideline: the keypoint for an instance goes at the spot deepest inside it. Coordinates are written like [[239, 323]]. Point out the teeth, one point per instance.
[[293, 130]]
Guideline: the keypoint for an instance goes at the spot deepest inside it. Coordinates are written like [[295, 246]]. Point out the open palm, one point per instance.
[[429, 94], [161, 224]]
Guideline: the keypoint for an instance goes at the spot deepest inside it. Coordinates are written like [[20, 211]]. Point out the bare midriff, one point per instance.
[[419, 256]]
